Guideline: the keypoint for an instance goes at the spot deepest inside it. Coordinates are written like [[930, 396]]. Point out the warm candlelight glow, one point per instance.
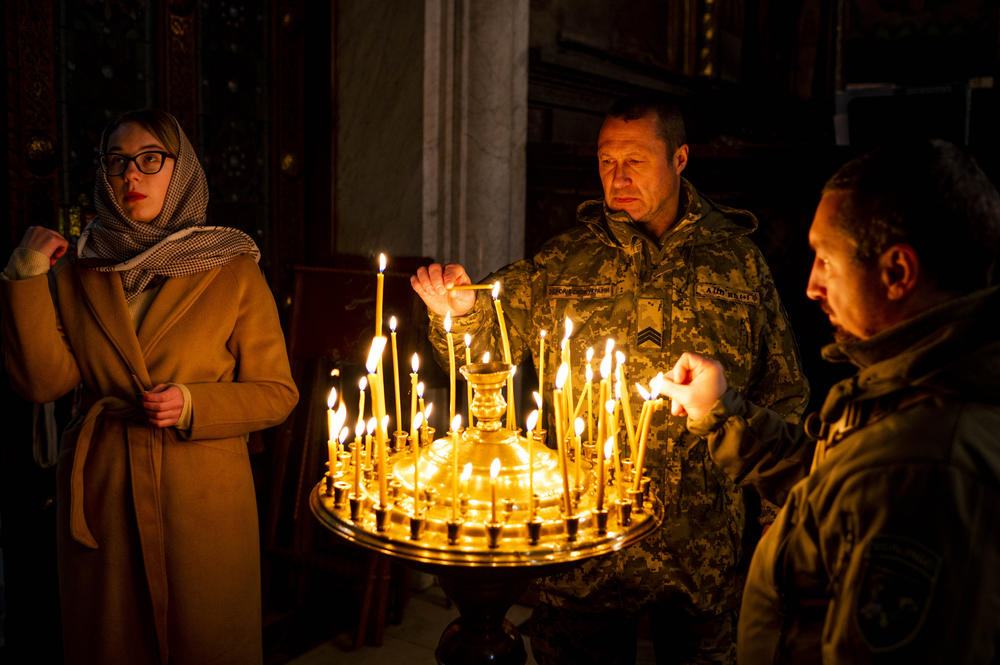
[[569, 328], [331, 398], [506, 355], [392, 324], [451, 365], [494, 472], [609, 346], [415, 363], [415, 447], [496, 290], [486, 357], [395, 373], [466, 475], [381, 262], [374, 354], [578, 428], [331, 427], [456, 425], [468, 384], [530, 425], [602, 472], [561, 376], [538, 400], [379, 287], [606, 367]]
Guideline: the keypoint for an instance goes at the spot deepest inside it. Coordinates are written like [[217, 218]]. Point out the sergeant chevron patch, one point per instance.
[[649, 323]]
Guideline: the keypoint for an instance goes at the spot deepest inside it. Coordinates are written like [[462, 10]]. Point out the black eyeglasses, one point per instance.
[[149, 162]]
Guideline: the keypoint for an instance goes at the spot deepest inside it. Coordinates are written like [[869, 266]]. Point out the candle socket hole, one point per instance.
[[602, 521], [493, 531]]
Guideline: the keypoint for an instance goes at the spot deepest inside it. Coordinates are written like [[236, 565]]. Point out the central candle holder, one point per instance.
[[449, 528]]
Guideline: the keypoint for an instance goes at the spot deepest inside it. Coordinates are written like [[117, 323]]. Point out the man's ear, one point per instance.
[[681, 158], [899, 268]]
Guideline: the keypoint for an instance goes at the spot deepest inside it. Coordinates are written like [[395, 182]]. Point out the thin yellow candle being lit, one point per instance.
[[344, 433], [590, 396], [420, 396], [334, 423], [378, 407], [468, 385], [415, 447], [568, 389], [331, 399], [357, 458], [511, 425], [494, 472], [362, 386], [611, 406], [382, 440], [603, 457], [368, 451], [625, 401], [578, 449], [530, 426], [378, 295], [451, 365], [414, 365], [395, 373], [541, 372], [559, 404], [643, 429], [456, 425]]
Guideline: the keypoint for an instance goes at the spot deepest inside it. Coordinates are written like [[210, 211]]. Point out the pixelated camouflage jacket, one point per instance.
[[889, 551], [705, 288]]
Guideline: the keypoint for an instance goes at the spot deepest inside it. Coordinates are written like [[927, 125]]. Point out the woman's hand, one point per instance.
[[44, 240], [163, 405], [433, 285]]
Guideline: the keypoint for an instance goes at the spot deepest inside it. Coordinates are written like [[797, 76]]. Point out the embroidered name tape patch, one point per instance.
[[721, 292], [581, 291]]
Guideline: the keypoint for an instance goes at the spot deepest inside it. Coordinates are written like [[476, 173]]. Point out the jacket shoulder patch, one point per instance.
[[722, 292], [581, 291], [897, 583]]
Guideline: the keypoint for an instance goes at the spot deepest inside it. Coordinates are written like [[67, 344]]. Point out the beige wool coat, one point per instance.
[[157, 529]]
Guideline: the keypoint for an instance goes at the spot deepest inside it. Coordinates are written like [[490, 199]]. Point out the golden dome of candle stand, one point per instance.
[[484, 563]]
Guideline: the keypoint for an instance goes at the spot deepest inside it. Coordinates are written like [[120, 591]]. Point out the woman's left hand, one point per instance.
[[163, 405]]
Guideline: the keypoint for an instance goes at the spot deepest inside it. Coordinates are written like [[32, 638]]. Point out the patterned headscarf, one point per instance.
[[174, 244]]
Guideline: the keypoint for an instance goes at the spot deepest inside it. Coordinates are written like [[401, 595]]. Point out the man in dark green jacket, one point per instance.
[[889, 549], [659, 269]]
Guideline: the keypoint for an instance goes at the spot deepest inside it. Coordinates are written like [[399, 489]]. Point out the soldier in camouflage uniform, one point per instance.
[[660, 270]]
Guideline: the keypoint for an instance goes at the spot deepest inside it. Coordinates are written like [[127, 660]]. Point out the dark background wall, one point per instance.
[[777, 94]]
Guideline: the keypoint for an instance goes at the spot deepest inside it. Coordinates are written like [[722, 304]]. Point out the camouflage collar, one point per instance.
[[616, 227]]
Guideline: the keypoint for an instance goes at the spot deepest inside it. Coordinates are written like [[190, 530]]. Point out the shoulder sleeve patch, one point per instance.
[[722, 292], [581, 291], [897, 583]]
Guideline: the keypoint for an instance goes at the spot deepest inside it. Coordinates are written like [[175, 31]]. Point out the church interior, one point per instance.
[[437, 130]]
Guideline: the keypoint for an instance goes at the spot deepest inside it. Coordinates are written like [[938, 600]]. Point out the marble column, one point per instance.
[[474, 132]]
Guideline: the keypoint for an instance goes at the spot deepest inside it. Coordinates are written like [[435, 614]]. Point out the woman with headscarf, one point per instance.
[[172, 334]]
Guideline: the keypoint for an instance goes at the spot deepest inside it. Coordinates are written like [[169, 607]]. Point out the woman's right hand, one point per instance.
[[45, 240]]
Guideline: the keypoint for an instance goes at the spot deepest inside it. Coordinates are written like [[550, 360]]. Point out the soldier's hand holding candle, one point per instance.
[[694, 385], [434, 286]]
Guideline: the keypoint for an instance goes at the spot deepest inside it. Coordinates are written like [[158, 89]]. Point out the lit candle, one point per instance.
[[494, 472], [566, 358], [378, 407], [382, 441], [590, 396], [610, 407], [414, 365], [362, 386], [357, 459], [511, 425], [468, 384], [559, 404], [420, 395], [395, 373], [624, 398], [602, 397], [415, 447], [601, 473], [451, 365], [530, 425], [615, 406], [643, 429], [378, 295], [367, 452], [335, 422], [330, 401], [578, 449], [456, 424], [541, 373], [344, 433]]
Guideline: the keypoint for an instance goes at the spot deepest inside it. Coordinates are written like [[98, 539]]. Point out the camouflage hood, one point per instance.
[[952, 348], [703, 222]]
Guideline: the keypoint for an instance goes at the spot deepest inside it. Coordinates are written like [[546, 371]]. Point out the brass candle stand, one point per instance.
[[484, 563]]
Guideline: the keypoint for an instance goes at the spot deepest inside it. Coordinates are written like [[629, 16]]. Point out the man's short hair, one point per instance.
[[668, 116], [930, 195]]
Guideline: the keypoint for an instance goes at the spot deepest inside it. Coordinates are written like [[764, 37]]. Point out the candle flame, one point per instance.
[[375, 354], [496, 290], [456, 423], [381, 263], [561, 376], [609, 406], [513, 371], [590, 373], [569, 328], [420, 389], [537, 398], [344, 433], [427, 411], [371, 425], [486, 357], [468, 340], [642, 391], [392, 324], [332, 398], [466, 472], [606, 367], [415, 363], [590, 353], [385, 423], [563, 343], [620, 357], [418, 420], [363, 383], [359, 429], [339, 416], [447, 322], [618, 390], [609, 346], [532, 420], [655, 384], [578, 426], [495, 468], [609, 447], [542, 334]]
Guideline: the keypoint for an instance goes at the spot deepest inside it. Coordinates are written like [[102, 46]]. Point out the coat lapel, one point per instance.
[[174, 299], [105, 298]]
